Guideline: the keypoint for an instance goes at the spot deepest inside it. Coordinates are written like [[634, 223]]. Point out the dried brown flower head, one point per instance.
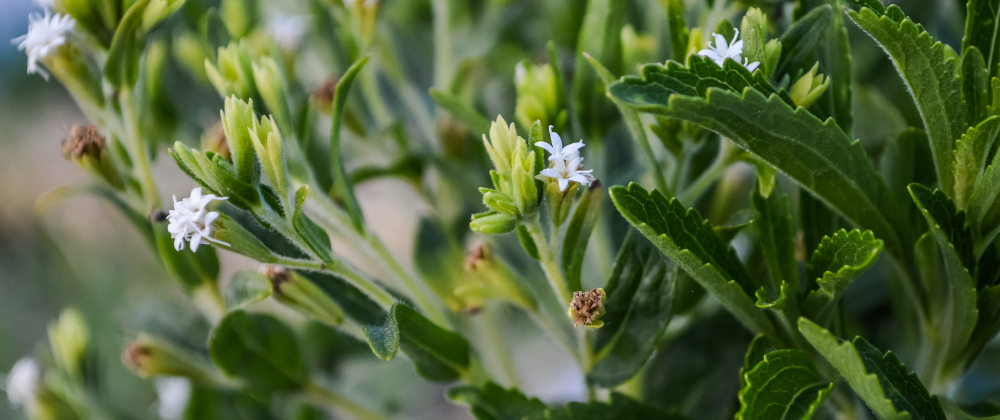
[[587, 308], [323, 95], [82, 141], [480, 252], [277, 274]]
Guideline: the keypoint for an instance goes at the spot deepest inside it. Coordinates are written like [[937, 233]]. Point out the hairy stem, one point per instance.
[[342, 269], [336, 400]]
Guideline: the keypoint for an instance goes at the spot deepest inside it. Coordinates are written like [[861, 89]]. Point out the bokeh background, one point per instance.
[[80, 252]]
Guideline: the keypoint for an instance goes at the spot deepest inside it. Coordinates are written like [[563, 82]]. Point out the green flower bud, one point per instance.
[[500, 144], [587, 308], [303, 296], [637, 49], [271, 86], [85, 147], [538, 97], [69, 338], [772, 54], [754, 34], [237, 123], [237, 239], [809, 87], [525, 191], [560, 202], [268, 144], [492, 222], [495, 278], [232, 75], [240, 16], [149, 356], [214, 140], [498, 201]]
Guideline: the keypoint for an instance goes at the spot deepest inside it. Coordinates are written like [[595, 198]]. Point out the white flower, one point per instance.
[[732, 50], [564, 172], [190, 220], [557, 151], [174, 392], [46, 33], [22, 383], [288, 31]]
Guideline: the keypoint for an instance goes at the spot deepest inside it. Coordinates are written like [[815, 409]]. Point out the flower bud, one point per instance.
[[754, 32], [559, 202], [302, 295], [696, 41], [323, 95], [240, 16], [214, 140], [500, 144], [69, 338], [237, 121], [232, 73], [496, 278], [587, 308], [149, 356], [492, 222], [267, 143], [772, 54], [809, 87], [271, 86], [498, 201], [523, 181], [538, 97], [85, 147]]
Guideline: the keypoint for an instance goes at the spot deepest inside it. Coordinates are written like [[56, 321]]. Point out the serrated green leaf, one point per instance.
[[783, 386], [898, 164], [246, 287], [971, 152], [816, 154], [700, 75], [640, 295], [759, 347], [837, 262], [577, 235], [776, 234], [856, 5], [492, 402], [958, 293], [690, 241], [619, 408], [258, 349], [316, 238], [799, 42], [882, 381], [438, 354], [476, 122], [982, 21], [340, 179], [931, 77]]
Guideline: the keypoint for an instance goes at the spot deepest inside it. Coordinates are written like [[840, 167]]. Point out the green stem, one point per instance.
[[547, 258], [422, 300], [342, 269], [712, 174], [341, 402], [442, 43], [490, 331], [546, 324], [140, 155]]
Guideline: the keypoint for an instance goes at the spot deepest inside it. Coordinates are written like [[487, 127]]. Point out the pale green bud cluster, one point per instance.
[[538, 96], [302, 295], [271, 87], [232, 73], [756, 47], [515, 194], [70, 338], [267, 142], [809, 87]]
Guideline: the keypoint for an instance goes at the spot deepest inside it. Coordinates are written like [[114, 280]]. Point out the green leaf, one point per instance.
[[898, 164], [259, 350], [438, 354], [816, 154], [577, 235], [834, 54], [640, 296], [355, 303], [492, 402], [316, 238], [983, 213], [340, 179], [600, 36], [659, 82], [882, 381], [975, 83], [958, 294], [759, 347], [246, 287], [956, 413], [776, 234], [468, 115], [189, 268], [690, 241], [971, 152], [931, 77], [799, 42], [619, 408], [783, 386], [987, 325], [856, 5], [837, 262], [679, 34], [527, 242], [982, 21], [126, 47]]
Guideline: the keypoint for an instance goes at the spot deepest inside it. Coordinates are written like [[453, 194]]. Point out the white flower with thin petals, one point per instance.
[[288, 31], [175, 393], [22, 383], [564, 172], [732, 50], [46, 33], [191, 221], [556, 149]]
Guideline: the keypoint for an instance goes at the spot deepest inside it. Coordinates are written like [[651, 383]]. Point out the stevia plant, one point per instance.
[[698, 236]]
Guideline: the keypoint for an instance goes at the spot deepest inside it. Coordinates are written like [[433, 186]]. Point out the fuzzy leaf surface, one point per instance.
[[258, 349], [493, 402], [783, 386], [982, 30], [838, 261], [438, 354]]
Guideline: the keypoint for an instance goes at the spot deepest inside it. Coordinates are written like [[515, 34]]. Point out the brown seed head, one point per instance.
[[277, 274], [82, 141], [134, 357], [480, 253], [586, 306], [323, 95]]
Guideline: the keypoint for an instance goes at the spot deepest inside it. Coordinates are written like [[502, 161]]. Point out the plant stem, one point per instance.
[[546, 324], [432, 310], [141, 156], [442, 43], [342, 269], [336, 400], [547, 258], [712, 174]]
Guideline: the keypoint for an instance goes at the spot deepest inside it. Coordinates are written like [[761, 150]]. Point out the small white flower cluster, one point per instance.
[[288, 31], [567, 165], [46, 33], [723, 50], [174, 393], [22, 383], [191, 221]]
